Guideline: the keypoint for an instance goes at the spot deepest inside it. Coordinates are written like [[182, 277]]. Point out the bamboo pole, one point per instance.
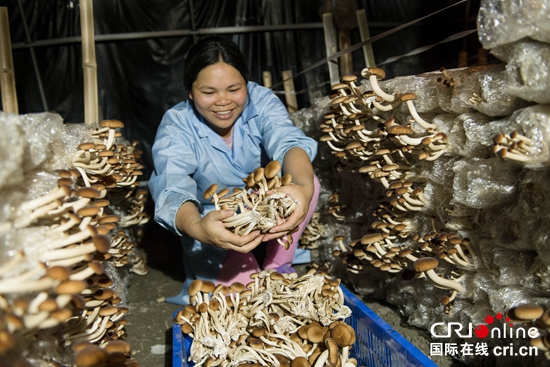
[[89, 65], [7, 75], [330, 47], [368, 54], [290, 93], [266, 76]]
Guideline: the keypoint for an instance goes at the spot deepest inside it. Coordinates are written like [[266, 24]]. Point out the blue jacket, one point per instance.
[[189, 156]]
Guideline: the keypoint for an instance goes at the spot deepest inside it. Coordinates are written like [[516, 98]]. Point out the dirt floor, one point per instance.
[[149, 330]]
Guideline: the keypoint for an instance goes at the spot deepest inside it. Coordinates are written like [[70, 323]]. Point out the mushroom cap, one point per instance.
[[300, 362], [342, 334], [237, 287], [425, 264], [272, 169], [379, 73], [315, 334], [371, 238], [70, 287], [407, 97], [207, 286], [111, 123], [210, 191], [101, 242], [349, 78], [59, 272], [399, 130], [194, 287], [91, 356], [286, 179], [525, 312]]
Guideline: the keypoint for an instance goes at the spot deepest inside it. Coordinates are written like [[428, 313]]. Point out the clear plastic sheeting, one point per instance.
[[484, 183], [528, 71], [12, 149], [505, 21]]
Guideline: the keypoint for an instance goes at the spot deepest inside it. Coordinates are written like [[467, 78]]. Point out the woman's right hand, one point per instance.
[[212, 224], [210, 229]]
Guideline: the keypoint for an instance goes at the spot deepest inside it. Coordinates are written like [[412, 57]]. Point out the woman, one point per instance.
[[229, 127]]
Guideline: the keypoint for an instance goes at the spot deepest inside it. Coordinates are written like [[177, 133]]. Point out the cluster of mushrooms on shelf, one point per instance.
[[445, 202], [276, 320], [69, 232]]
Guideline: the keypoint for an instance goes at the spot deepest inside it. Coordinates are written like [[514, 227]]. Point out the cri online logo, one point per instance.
[[482, 330]]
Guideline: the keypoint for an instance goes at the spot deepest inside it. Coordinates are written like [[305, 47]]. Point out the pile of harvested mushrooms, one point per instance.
[[276, 319]]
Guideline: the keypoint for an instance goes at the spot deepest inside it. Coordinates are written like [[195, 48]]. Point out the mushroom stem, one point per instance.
[[417, 118]]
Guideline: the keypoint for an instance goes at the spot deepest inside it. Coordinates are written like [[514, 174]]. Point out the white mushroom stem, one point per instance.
[[32, 272], [382, 107], [417, 118], [376, 89], [333, 147], [71, 239], [17, 257], [57, 193], [64, 253], [28, 286], [444, 283], [436, 155]]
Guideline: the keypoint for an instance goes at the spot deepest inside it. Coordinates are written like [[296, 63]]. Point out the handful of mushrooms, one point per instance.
[[257, 206], [276, 319]]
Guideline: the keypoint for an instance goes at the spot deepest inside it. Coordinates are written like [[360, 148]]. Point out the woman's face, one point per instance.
[[219, 94]]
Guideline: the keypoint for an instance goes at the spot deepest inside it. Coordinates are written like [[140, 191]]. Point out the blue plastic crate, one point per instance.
[[377, 345]]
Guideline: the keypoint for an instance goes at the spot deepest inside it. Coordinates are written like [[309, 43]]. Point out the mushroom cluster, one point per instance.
[[257, 206], [314, 232], [57, 284], [366, 135], [276, 319], [537, 320]]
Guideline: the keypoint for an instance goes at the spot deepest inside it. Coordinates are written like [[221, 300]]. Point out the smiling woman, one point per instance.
[[228, 128], [219, 95]]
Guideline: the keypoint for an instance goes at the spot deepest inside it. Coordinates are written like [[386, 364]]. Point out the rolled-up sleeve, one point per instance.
[[171, 183], [278, 132]]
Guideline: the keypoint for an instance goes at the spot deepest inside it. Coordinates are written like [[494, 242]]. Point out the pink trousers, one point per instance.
[[237, 266]]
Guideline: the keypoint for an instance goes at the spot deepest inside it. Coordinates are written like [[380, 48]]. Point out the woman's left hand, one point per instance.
[[301, 193]]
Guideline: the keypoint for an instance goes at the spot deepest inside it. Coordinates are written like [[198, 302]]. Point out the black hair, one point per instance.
[[211, 50]]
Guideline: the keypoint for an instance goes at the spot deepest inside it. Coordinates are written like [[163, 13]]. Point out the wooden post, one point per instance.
[[7, 75], [346, 61], [290, 93], [368, 54], [266, 76], [89, 64], [330, 46]]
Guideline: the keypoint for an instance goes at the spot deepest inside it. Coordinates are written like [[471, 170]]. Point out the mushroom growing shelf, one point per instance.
[[378, 344]]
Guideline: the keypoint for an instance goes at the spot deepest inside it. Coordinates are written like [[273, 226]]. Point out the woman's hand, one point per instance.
[[303, 195], [210, 229]]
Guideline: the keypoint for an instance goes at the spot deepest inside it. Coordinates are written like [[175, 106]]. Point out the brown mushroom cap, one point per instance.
[[526, 312], [342, 334], [300, 362], [371, 238], [91, 356], [210, 191], [194, 287], [315, 334], [272, 169], [111, 123], [379, 73], [425, 264], [407, 97]]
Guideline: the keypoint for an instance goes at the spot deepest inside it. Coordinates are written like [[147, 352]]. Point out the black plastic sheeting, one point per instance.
[[138, 80]]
